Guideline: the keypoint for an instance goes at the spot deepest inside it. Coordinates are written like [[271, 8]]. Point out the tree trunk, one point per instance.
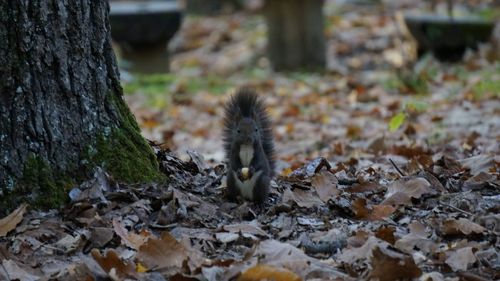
[[295, 34], [62, 111]]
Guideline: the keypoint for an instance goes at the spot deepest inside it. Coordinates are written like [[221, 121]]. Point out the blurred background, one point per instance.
[[343, 79]]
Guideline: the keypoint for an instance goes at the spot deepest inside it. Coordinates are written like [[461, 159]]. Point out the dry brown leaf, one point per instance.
[[460, 259], [432, 276], [286, 256], [248, 228], [375, 212], [380, 212], [15, 272], [401, 191], [386, 233], [350, 256], [491, 222], [311, 168], [409, 152], [390, 265], [10, 222], [478, 181], [132, 240], [283, 255], [303, 198], [479, 163], [462, 226], [377, 146], [416, 240], [265, 272], [100, 236], [68, 243], [358, 239], [73, 271], [162, 253], [226, 237], [184, 199], [169, 254], [325, 184], [363, 187], [113, 265]]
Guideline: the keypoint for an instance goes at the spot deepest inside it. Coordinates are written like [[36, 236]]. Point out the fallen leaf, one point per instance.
[[286, 256], [10, 222], [132, 240], [363, 187], [165, 252], [491, 222], [73, 271], [479, 163], [352, 255], [303, 198], [15, 272], [265, 272], [358, 239], [226, 237], [169, 254], [325, 184], [432, 276], [141, 268], [68, 243], [417, 239], [390, 265], [100, 236], [396, 121], [401, 191], [374, 212], [248, 228], [311, 168], [460, 227], [113, 265], [461, 259], [479, 181], [386, 233]]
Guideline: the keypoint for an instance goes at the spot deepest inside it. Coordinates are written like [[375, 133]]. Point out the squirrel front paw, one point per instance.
[[245, 173]]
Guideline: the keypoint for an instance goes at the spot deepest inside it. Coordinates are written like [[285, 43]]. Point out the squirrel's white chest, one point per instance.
[[246, 154]]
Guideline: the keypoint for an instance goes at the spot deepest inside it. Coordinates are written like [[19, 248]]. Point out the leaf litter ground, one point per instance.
[[387, 169]]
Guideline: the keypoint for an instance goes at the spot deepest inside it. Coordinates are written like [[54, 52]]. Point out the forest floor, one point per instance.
[[388, 167]]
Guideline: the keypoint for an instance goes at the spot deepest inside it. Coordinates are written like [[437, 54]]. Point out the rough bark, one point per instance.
[[61, 105], [295, 34]]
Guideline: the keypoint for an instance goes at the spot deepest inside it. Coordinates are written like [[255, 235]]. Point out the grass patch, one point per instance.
[[488, 84], [158, 88], [149, 84], [407, 83], [486, 88]]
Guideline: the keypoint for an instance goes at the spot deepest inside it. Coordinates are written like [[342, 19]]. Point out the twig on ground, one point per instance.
[[397, 168], [457, 209]]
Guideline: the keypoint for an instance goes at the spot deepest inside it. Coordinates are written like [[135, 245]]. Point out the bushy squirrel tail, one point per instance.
[[246, 104]]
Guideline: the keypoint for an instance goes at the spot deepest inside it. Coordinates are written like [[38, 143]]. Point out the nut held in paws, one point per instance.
[[244, 172]]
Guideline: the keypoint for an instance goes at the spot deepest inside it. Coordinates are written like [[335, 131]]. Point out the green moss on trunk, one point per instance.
[[119, 150], [125, 158], [123, 152], [40, 186]]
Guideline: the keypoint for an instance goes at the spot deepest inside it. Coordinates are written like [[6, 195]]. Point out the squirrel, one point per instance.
[[249, 147]]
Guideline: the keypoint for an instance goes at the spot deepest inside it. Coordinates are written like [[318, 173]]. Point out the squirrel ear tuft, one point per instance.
[[254, 114], [238, 116]]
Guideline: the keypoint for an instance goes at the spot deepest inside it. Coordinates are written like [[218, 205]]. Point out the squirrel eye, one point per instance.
[[238, 131], [256, 129]]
